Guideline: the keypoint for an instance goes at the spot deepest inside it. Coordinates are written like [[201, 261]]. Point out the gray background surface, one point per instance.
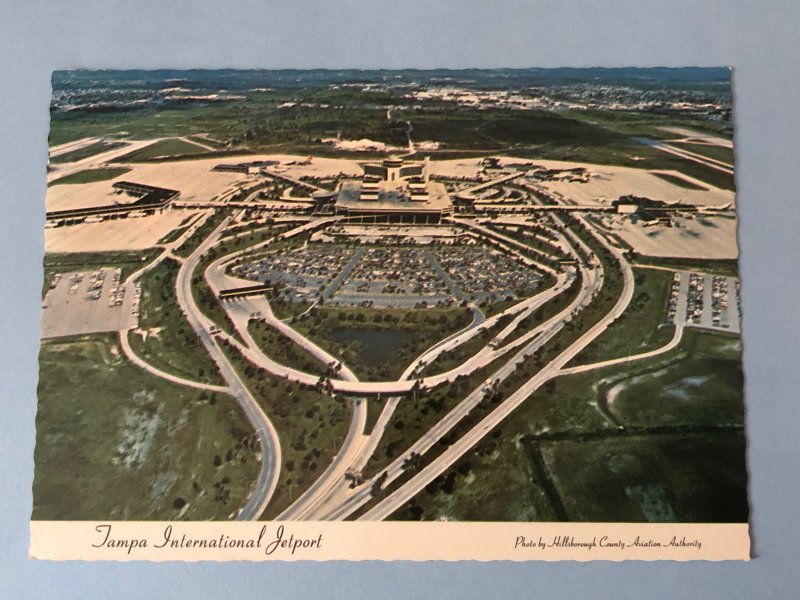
[[759, 39]]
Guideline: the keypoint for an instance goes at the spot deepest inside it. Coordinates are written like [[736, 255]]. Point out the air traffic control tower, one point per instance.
[[394, 191]]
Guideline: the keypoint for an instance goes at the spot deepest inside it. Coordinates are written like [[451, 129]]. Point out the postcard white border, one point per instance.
[[322, 541]]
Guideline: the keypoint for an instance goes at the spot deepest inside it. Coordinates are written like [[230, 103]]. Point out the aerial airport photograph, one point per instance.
[[391, 295]]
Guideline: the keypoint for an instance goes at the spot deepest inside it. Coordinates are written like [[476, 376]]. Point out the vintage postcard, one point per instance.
[[312, 315]]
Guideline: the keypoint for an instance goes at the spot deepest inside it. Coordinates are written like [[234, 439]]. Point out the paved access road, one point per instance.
[[350, 500], [267, 436], [328, 489], [240, 312], [218, 280], [553, 369], [538, 338], [267, 479], [336, 492], [330, 496]]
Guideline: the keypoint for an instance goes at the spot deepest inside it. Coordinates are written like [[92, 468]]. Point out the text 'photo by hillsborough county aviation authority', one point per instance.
[[473, 295]]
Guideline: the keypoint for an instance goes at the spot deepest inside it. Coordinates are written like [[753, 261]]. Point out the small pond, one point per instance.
[[376, 345]]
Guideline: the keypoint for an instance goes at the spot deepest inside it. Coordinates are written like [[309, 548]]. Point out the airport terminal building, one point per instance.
[[394, 191], [147, 200]]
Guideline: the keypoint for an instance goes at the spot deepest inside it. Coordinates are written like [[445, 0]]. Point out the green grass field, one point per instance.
[[85, 152], [164, 337], [283, 350], [682, 413], [543, 313], [452, 358], [374, 409], [205, 141], [727, 267], [685, 478], [639, 394], [698, 384], [90, 176], [642, 327], [461, 495], [210, 306], [161, 149], [201, 233], [491, 309], [692, 169], [173, 235], [649, 124], [115, 443], [284, 309], [134, 124]]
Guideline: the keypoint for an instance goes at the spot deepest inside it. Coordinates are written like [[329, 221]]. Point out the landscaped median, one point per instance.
[[164, 337], [311, 427]]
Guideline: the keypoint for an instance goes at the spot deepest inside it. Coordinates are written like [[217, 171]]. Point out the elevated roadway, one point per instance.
[[444, 461]]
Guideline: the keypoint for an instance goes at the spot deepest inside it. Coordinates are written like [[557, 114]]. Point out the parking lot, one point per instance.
[[393, 276], [702, 300], [399, 275], [485, 274], [304, 273], [88, 302]]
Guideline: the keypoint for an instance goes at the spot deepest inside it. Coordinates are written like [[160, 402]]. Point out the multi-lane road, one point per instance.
[[331, 496], [268, 438], [345, 501], [553, 369], [316, 502]]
